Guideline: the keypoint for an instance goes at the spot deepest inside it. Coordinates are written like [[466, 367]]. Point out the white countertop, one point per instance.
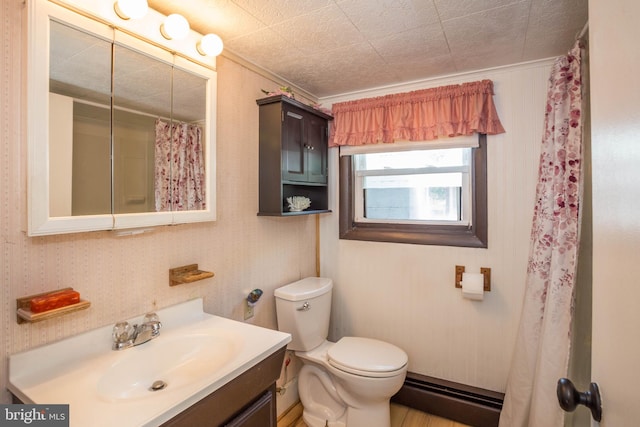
[[69, 371]]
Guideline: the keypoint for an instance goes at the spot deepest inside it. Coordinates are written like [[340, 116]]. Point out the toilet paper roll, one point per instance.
[[473, 286]]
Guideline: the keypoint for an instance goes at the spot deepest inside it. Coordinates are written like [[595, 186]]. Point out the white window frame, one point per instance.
[[360, 176]]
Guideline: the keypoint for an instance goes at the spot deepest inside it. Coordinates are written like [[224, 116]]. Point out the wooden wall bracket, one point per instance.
[[459, 271], [486, 272], [187, 274]]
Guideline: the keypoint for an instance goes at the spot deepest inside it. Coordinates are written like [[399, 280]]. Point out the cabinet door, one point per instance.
[[316, 149], [260, 414], [293, 146]]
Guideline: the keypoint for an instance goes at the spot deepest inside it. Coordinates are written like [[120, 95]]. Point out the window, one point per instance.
[[432, 196], [413, 187]]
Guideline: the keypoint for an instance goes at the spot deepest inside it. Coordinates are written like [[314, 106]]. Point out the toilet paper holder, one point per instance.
[[486, 272]]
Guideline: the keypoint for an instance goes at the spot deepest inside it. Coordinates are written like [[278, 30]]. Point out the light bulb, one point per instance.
[[131, 9], [211, 45], [175, 27]]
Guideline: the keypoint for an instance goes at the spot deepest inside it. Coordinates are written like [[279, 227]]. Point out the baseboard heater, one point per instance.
[[458, 402]]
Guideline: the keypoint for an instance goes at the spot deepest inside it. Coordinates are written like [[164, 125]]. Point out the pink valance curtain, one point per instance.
[[179, 167], [420, 115]]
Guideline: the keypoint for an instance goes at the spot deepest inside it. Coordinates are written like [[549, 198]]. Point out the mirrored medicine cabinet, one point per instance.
[[120, 131]]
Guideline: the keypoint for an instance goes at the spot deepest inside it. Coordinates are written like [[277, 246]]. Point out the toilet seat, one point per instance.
[[367, 357]]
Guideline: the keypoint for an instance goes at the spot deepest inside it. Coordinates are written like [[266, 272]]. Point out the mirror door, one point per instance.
[[142, 88], [79, 122]]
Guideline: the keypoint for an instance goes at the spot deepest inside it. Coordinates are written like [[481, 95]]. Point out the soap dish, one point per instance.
[[187, 274], [25, 315]]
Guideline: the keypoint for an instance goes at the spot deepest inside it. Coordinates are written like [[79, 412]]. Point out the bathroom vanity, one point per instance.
[[216, 372], [247, 401]]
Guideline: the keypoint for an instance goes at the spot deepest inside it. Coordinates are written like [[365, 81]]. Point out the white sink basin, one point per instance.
[[172, 361], [195, 354]]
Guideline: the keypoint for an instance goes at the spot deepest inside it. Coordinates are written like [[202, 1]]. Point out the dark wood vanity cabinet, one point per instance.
[[293, 155], [247, 401]]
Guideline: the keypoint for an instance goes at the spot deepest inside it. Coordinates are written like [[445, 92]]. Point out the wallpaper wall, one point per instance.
[[126, 276], [405, 294]]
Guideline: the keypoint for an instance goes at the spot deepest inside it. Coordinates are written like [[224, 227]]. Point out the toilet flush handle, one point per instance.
[[305, 307]]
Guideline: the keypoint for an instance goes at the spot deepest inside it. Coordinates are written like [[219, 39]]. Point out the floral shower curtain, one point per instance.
[[179, 167], [541, 354]]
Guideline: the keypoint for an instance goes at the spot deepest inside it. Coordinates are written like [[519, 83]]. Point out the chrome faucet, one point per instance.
[[126, 335]]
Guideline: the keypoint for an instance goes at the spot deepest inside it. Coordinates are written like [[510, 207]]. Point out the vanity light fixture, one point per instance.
[[131, 9], [175, 27], [210, 45]]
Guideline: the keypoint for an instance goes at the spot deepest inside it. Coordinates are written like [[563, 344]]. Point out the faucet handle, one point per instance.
[[151, 317], [152, 321], [122, 332]]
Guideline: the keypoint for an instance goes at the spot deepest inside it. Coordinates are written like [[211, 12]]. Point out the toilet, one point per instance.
[[344, 384]]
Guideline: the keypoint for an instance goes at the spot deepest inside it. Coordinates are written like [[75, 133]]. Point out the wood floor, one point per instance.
[[401, 416]]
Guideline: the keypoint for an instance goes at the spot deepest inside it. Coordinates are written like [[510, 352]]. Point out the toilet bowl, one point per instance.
[[354, 390], [320, 400], [344, 384]]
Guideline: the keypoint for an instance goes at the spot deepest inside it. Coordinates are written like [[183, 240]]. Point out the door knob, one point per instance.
[[569, 398]]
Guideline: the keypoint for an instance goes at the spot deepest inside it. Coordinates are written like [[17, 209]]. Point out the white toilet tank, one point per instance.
[[303, 309]]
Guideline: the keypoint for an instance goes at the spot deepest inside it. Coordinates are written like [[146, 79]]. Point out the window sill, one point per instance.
[[420, 235]]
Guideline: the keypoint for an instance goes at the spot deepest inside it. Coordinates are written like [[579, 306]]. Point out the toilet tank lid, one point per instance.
[[306, 288]]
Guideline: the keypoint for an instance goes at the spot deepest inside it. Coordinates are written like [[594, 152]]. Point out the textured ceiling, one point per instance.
[[330, 47]]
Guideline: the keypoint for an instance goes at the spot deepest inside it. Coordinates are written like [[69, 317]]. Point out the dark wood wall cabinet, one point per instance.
[[293, 155]]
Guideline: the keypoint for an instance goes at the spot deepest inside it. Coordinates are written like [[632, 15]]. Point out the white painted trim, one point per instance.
[[275, 78], [432, 82]]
